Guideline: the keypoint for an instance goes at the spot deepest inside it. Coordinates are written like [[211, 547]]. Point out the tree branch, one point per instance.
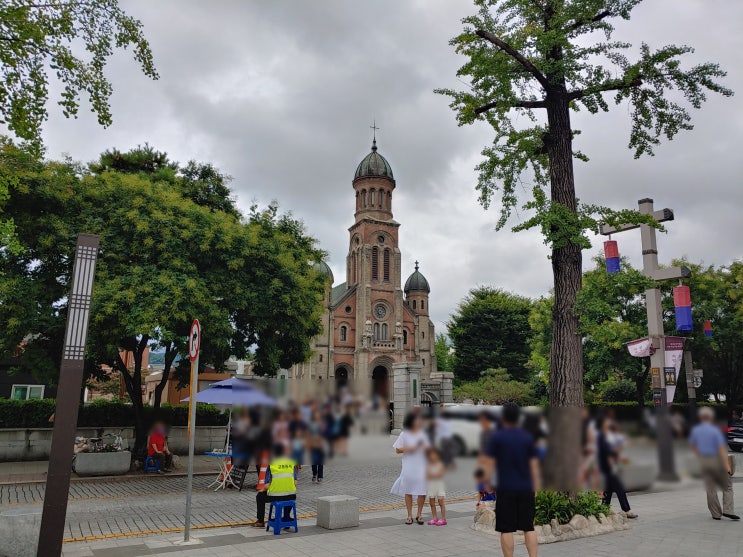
[[517, 104], [516, 55], [595, 19], [614, 85]]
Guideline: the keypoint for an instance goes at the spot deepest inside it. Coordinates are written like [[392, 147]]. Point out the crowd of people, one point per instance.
[[313, 432]]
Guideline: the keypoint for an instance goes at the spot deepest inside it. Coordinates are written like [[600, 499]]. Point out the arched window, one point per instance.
[[375, 263], [404, 336], [385, 331], [414, 304], [376, 331], [363, 198], [320, 358], [343, 333], [387, 265], [381, 198], [423, 304], [423, 335], [358, 200], [424, 361], [373, 197], [353, 276]]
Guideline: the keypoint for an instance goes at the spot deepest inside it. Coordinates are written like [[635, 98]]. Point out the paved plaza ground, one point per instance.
[[144, 516]]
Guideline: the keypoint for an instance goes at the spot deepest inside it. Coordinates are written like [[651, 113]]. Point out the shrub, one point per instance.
[[556, 505], [102, 413], [620, 392]]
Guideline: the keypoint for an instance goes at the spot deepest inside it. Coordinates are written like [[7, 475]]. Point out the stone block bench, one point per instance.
[[637, 477], [337, 511], [102, 464]]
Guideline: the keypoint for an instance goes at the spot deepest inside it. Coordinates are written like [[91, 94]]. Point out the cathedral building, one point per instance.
[[372, 324]]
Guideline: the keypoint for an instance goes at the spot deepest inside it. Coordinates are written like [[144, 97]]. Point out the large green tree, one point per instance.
[[490, 329], [717, 295], [444, 353], [529, 64], [165, 258], [612, 312]]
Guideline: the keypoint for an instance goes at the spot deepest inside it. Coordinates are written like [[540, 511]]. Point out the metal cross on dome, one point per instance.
[[375, 128]]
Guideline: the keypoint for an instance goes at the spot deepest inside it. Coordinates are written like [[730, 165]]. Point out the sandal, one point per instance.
[[419, 520], [631, 515], [409, 521]]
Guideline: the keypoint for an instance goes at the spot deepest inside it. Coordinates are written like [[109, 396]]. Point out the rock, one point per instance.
[[485, 517], [593, 521], [546, 530], [603, 519], [578, 522], [555, 527]]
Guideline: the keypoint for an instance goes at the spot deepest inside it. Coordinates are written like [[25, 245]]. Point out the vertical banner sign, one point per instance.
[[194, 345], [674, 356], [68, 398]]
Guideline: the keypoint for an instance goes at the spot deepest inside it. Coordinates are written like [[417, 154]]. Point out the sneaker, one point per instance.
[[319, 480], [433, 522], [441, 522], [314, 480]]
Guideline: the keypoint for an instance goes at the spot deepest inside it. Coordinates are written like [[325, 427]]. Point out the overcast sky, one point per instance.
[[280, 95]]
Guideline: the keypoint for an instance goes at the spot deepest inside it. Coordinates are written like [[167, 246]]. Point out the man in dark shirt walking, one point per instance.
[[512, 453]]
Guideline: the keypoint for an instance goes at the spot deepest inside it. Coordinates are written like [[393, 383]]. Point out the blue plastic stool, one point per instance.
[[276, 517], [151, 464]]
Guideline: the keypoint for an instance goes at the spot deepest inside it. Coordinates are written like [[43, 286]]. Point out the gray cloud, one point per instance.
[[280, 95]]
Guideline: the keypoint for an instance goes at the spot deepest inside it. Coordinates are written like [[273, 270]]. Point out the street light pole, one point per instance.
[[666, 463], [68, 398]]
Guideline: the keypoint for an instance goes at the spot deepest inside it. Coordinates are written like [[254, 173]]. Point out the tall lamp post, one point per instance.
[[666, 464], [68, 398]]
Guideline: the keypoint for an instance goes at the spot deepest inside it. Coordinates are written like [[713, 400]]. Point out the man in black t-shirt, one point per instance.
[[511, 452]]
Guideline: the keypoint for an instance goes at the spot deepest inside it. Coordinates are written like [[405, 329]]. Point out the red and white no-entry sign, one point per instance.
[[194, 340]]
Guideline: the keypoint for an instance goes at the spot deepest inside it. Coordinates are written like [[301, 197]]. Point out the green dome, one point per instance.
[[324, 270], [374, 164], [417, 282]]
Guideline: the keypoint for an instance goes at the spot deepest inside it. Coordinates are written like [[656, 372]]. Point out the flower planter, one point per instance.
[[102, 464]]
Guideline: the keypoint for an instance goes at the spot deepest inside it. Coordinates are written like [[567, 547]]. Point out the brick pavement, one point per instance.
[[672, 523]]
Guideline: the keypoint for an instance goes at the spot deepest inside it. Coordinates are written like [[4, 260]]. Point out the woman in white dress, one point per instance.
[[412, 444]]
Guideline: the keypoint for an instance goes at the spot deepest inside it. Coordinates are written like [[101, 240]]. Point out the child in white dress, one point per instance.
[[436, 490]]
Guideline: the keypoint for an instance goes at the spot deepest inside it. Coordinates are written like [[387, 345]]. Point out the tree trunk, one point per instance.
[[170, 355], [566, 353]]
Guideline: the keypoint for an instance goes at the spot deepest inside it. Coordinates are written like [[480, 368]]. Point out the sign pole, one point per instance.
[[650, 268], [57, 488], [194, 344]]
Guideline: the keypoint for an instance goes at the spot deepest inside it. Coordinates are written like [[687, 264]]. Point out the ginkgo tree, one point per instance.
[[530, 63]]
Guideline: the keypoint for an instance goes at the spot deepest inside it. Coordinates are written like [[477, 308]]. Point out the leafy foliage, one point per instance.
[[494, 386], [74, 39], [620, 392], [559, 506], [490, 329], [444, 354], [99, 414]]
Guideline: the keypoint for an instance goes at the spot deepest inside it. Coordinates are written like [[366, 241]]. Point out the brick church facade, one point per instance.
[[371, 322]]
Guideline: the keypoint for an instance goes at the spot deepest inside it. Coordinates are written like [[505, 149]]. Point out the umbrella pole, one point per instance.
[[229, 431]]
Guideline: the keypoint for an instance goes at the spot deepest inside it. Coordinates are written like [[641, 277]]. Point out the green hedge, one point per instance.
[[555, 505], [36, 413]]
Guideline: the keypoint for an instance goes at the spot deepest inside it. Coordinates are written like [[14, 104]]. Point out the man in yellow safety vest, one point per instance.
[[281, 485]]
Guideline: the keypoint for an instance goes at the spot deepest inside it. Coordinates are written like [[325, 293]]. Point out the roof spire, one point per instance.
[[375, 128], [416, 265]]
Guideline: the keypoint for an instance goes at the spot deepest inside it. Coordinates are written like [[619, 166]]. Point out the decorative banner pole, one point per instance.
[[666, 464], [194, 345], [57, 489]]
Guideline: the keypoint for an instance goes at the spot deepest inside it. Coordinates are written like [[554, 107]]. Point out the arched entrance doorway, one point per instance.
[[341, 377], [381, 382], [429, 399]]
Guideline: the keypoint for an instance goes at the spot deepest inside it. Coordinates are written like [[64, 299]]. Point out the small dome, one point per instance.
[[324, 270], [417, 282], [373, 164]]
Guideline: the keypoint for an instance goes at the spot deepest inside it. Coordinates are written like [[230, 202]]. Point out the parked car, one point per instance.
[[735, 436], [465, 427]]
